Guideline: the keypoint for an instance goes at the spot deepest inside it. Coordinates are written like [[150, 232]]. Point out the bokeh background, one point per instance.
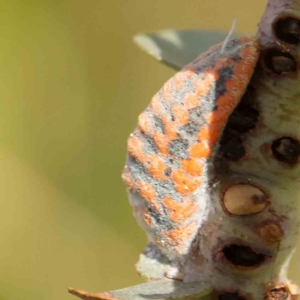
[[71, 86]]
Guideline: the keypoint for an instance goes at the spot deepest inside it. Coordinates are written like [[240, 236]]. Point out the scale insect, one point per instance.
[[171, 153]]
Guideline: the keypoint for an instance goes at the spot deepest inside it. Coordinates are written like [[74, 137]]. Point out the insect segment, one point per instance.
[[170, 154]]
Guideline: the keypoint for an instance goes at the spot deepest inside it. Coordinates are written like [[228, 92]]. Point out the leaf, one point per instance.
[[153, 264], [163, 289], [177, 48]]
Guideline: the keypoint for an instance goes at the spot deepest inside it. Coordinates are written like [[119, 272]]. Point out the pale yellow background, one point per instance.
[[71, 86]]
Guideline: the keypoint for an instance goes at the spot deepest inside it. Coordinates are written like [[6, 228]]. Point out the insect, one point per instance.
[[172, 151]]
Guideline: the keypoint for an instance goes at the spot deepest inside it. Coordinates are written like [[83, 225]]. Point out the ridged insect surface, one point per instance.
[[171, 153]]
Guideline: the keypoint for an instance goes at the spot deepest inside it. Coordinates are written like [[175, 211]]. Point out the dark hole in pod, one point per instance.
[[279, 62], [233, 149], [278, 294], [243, 119], [287, 29], [286, 149], [231, 296], [243, 256]]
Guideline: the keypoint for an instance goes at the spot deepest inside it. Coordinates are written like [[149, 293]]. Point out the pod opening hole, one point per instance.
[[243, 256], [287, 29], [279, 62], [233, 149], [286, 149]]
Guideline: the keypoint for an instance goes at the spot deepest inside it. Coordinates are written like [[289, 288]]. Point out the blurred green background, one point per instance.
[[72, 85]]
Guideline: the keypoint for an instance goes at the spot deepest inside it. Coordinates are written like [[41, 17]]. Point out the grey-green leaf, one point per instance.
[[163, 289], [153, 264], [177, 48]]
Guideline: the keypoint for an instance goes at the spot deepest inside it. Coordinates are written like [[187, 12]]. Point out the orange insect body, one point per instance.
[[177, 138]]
